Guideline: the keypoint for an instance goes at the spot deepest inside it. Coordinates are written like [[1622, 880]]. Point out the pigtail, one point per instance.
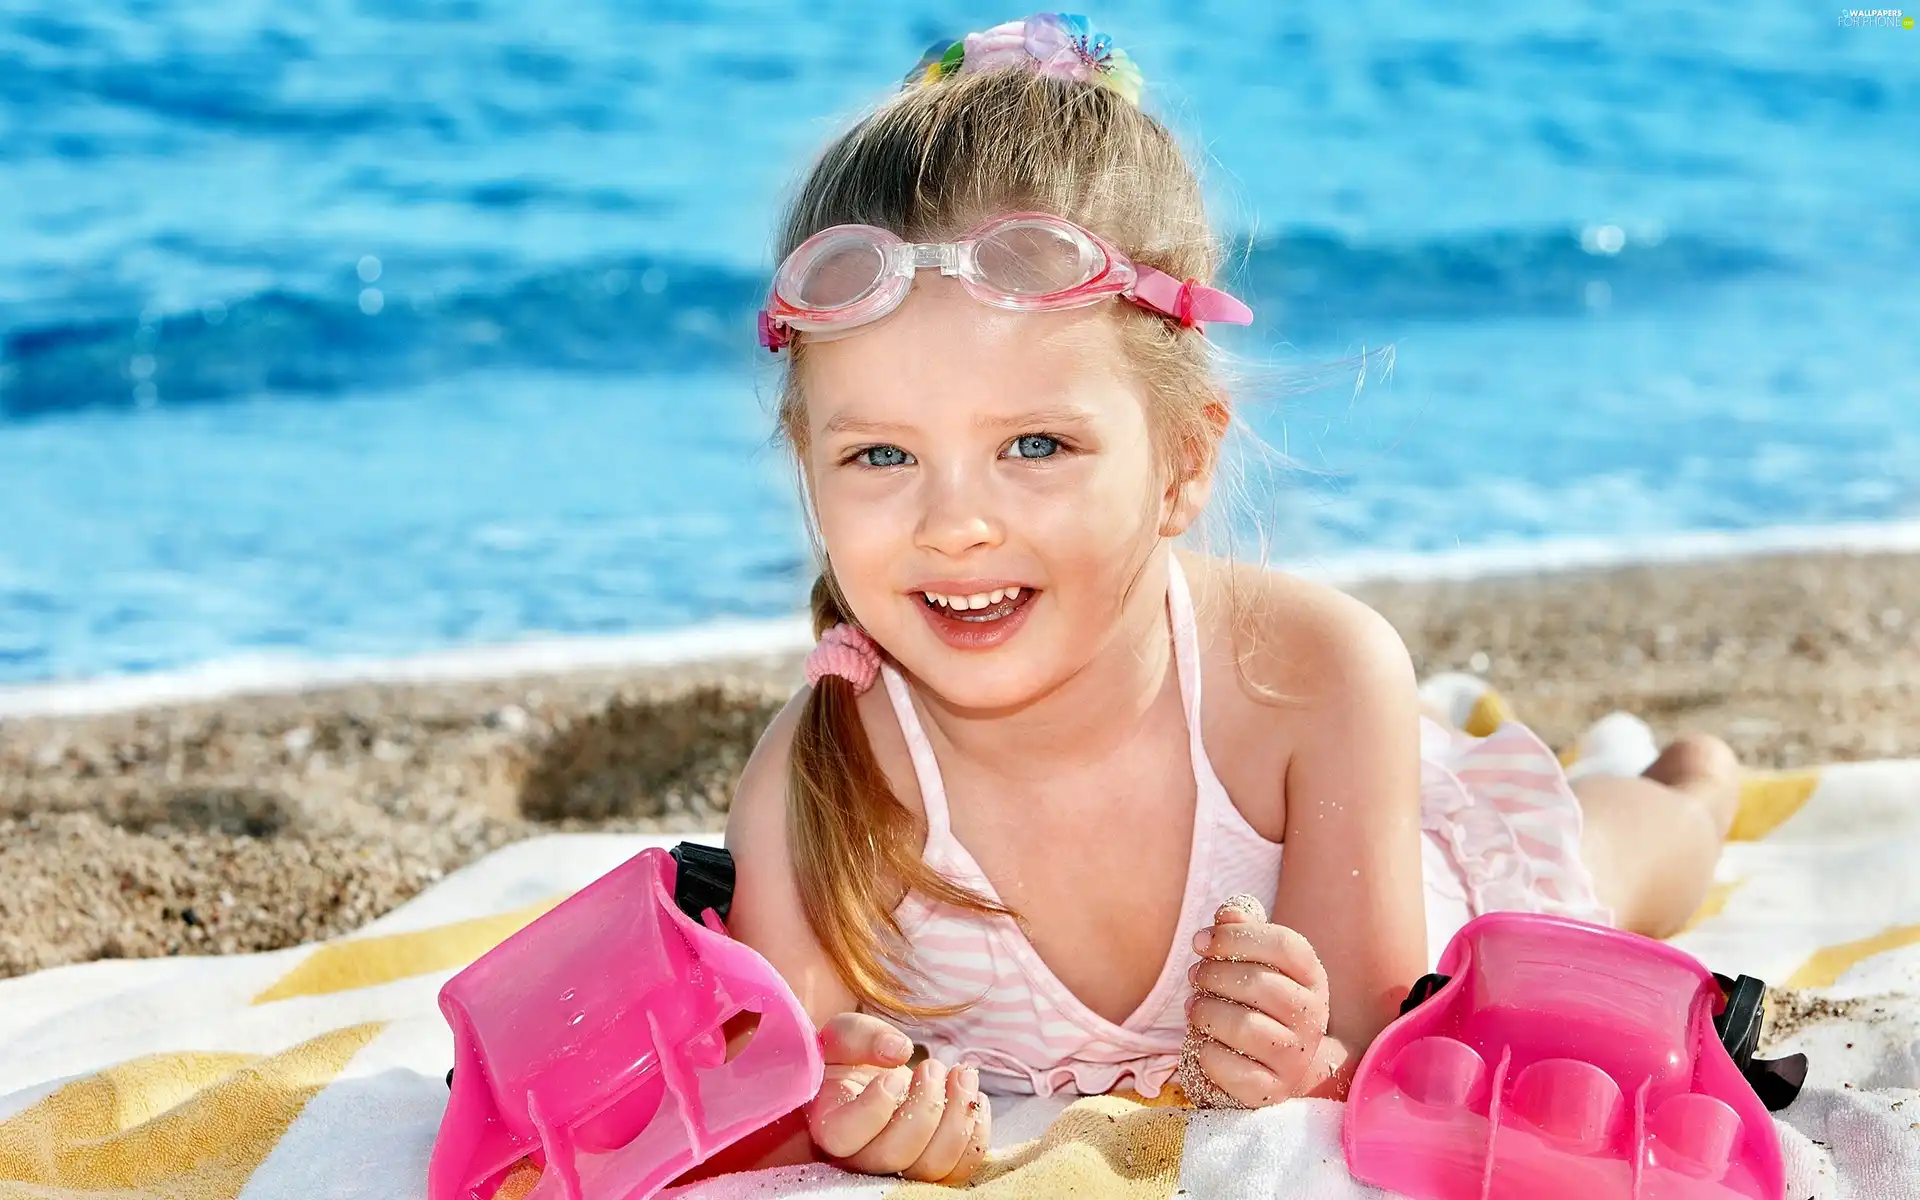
[[855, 849]]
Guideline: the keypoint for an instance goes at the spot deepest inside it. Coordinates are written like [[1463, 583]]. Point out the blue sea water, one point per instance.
[[361, 329]]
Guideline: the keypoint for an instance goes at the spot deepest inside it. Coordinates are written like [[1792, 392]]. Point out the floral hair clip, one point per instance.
[[1060, 45]]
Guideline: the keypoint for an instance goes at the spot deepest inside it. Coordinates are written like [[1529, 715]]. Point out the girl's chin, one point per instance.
[[979, 688]]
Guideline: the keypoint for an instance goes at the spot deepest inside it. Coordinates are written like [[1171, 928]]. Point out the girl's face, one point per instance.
[[987, 487]]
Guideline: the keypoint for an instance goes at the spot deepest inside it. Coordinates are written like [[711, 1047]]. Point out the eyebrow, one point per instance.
[[1064, 414]]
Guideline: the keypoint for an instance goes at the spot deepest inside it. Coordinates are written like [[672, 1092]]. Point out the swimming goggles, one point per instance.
[[850, 276]]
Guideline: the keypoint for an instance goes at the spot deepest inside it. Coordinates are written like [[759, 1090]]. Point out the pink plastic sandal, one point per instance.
[[1552, 1057], [592, 1040]]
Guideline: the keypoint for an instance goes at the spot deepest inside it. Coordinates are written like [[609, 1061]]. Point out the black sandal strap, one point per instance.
[[704, 879], [1777, 1081]]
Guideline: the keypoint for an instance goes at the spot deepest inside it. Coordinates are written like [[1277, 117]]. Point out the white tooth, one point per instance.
[[977, 600], [942, 601], [996, 595], [1013, 593]]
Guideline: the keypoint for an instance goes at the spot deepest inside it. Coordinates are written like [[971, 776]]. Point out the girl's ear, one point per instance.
[[1187, 497]]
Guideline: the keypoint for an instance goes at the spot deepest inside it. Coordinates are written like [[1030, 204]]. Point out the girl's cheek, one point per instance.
[[852, 542], [863, 540], [841, 498], [1109, 510]]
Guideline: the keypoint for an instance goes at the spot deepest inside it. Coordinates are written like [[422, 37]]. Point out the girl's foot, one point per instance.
[[1706, 769]]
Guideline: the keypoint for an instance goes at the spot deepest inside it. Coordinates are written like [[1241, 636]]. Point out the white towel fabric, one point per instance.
[[317, 1071]]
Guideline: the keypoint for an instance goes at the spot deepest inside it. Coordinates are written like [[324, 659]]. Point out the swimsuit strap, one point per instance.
[[1212, 804], [1186, 646], [926, 769]]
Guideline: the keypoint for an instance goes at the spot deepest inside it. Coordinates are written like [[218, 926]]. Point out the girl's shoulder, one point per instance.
[[1282, 637], [1282, 660]]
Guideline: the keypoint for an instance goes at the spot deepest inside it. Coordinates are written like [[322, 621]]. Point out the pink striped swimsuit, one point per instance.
[[1503, 831]]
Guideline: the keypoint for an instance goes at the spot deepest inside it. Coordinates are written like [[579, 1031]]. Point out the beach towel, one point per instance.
[[319, 1071]]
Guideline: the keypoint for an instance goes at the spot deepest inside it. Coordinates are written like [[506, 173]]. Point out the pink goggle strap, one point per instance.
[[1188, 302], [773, 336]]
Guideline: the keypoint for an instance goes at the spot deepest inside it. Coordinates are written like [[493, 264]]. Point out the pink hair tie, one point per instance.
[[847, 652]]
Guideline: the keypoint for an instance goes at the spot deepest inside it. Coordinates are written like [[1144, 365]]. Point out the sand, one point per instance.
[[252, 823]]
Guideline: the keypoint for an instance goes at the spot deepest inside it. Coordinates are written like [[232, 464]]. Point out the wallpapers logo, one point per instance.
[[1883, 18]]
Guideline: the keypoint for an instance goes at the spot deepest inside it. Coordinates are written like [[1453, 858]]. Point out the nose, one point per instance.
[[958, 516]]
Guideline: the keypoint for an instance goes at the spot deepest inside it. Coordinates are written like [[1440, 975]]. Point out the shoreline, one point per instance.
[[729, 640], [254, 820]]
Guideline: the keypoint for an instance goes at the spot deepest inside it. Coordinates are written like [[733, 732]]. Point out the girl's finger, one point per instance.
[[854, 1107], [905, 1138], [949, 1141], [1263, 989], [1245, 1080], [1254, 1034], [979, 1139], [1277, 946], [1240, 908], [852, 1038]]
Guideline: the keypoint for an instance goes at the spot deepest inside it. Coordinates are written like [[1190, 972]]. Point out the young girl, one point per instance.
[[1015, 850]]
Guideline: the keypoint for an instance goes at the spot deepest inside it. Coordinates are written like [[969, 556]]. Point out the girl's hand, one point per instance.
[[876, 1115], [1260, 1000]]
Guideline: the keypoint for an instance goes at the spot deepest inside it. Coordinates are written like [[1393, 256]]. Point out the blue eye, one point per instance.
[[1035, 445], [884, 456]]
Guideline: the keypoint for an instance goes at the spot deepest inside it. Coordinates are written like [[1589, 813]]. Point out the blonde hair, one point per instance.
[[927, 165]]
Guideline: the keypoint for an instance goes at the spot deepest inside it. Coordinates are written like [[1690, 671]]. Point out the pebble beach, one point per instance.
[[255, 822]]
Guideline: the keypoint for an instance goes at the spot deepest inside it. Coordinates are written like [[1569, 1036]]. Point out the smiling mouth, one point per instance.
[[980, 609]]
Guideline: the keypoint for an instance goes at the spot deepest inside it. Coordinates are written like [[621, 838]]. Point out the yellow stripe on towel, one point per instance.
[[1712, 905], [1825, 966], [184, 1126], [1171, 1096], [1101, 1146], [1767, 799], [364, 962]]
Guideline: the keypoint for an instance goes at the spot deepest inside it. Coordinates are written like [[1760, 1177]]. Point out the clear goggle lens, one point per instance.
[[1028, 259], [839, 273]]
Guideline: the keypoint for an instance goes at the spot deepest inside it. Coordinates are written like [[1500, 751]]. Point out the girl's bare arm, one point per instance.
[[1352, 880]]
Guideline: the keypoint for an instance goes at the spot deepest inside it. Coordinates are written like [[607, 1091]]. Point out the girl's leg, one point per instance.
[[1651, 842]]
